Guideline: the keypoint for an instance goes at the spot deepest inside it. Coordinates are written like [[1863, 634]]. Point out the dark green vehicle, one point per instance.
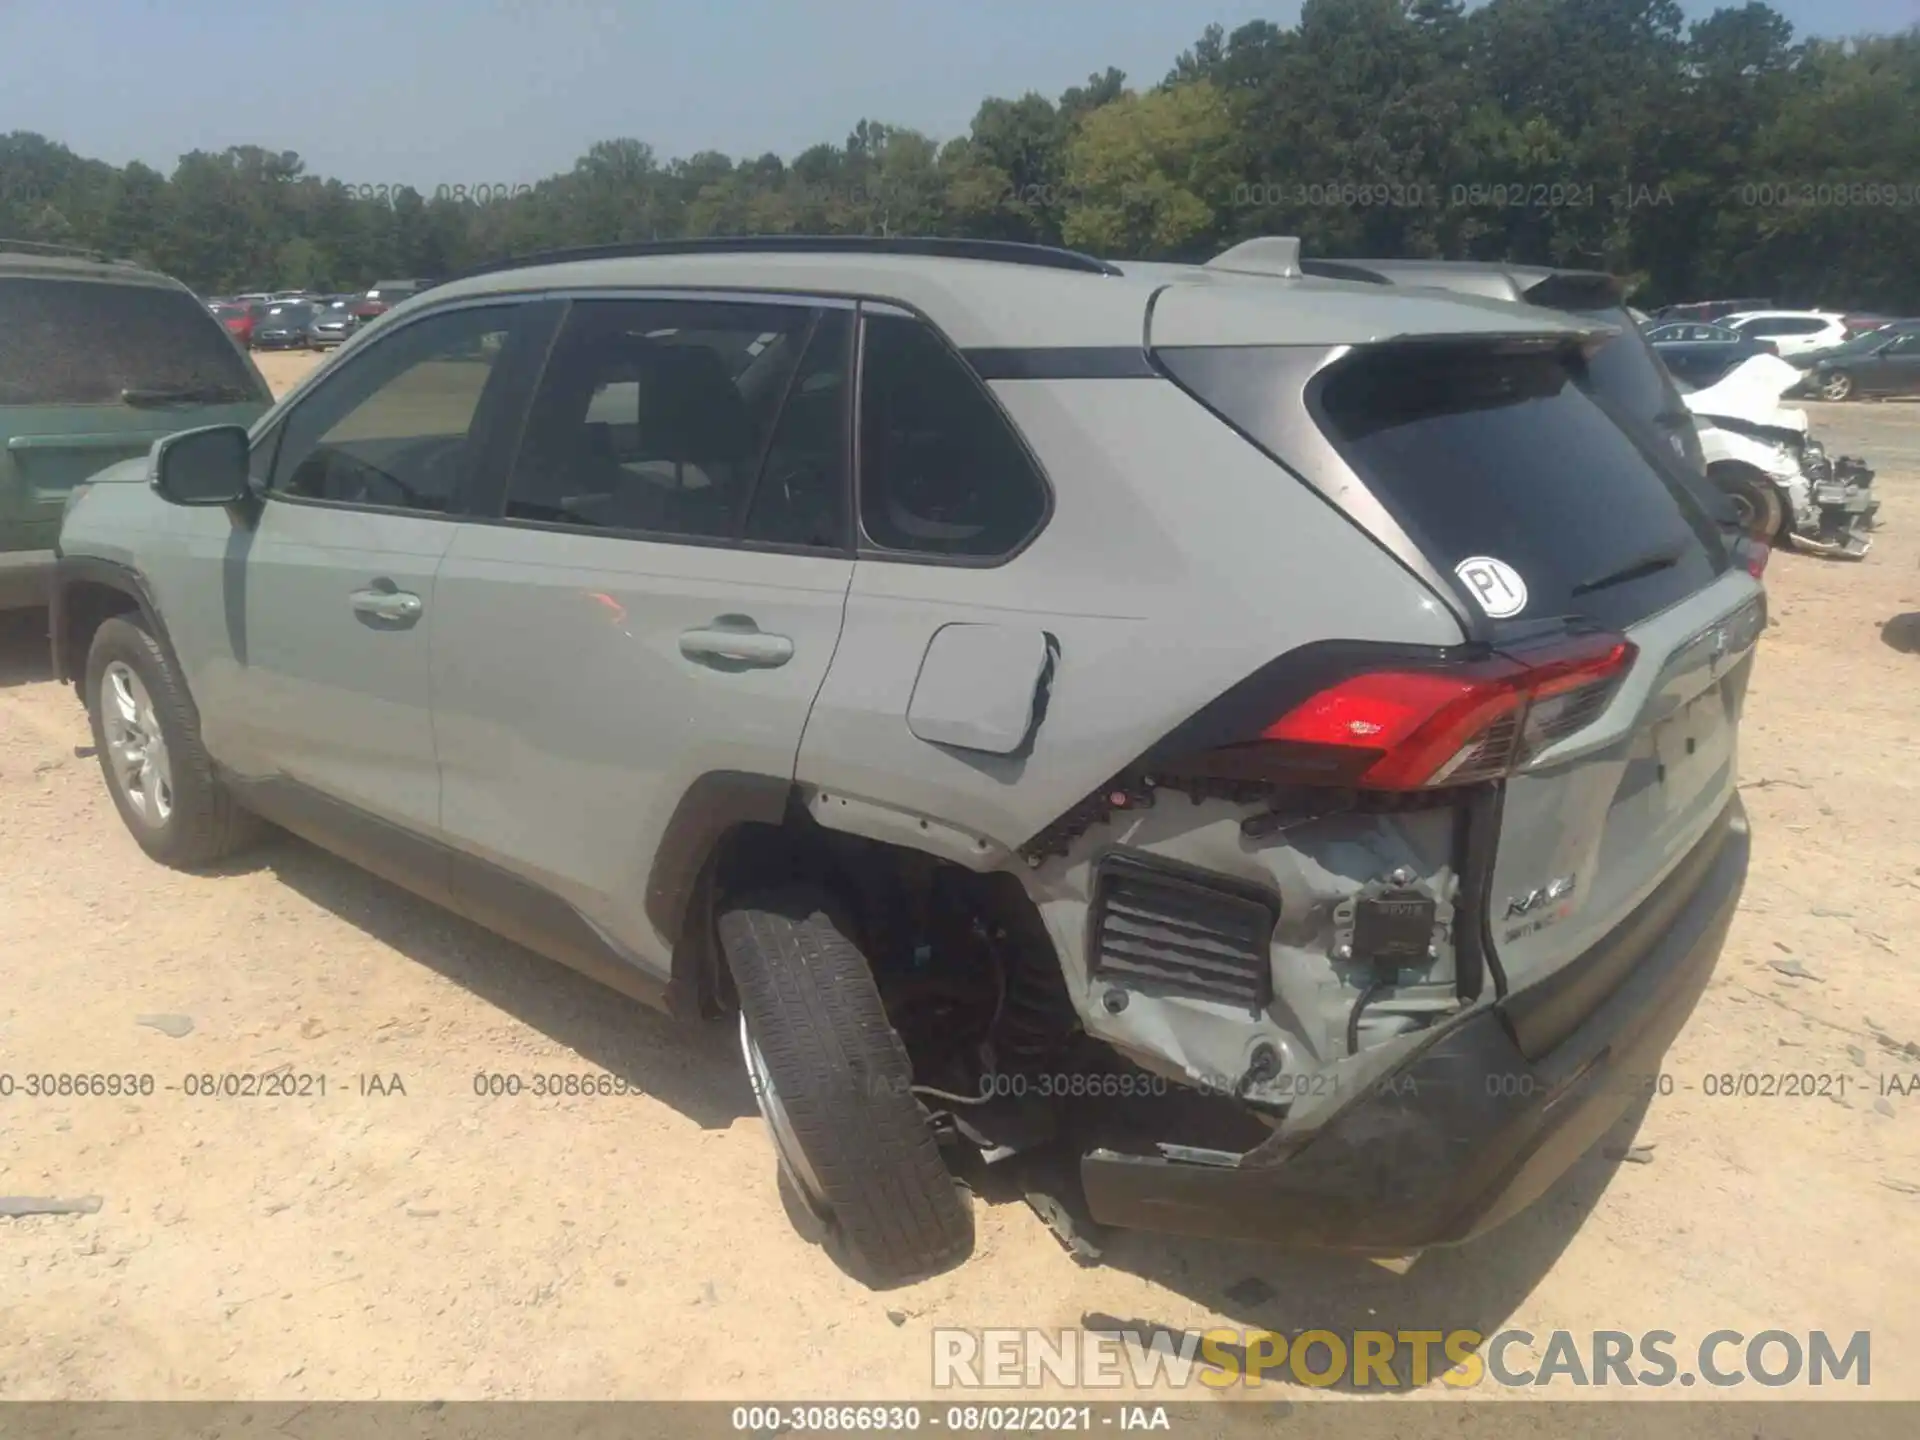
[[98, 359]]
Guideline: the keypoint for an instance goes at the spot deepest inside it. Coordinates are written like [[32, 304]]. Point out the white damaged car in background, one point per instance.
[[1786, 485]]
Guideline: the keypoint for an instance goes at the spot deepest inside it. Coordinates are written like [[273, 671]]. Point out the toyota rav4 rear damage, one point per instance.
[[1401, 924], [1264, 739]]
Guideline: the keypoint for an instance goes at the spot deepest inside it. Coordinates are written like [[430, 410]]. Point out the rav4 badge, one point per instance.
[[1557, 889]]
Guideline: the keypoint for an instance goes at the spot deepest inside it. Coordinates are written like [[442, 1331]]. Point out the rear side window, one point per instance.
[[85, 342], [1784, 326], [941, 472], [698, 419], [1480, 453]]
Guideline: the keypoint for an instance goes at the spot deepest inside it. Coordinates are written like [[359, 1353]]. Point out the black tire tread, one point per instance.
[[207, 824], [844, 1078], [1760, 496]]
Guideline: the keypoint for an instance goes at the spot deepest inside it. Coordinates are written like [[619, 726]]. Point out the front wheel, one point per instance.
[[1756, 502], [1836, 385], [148, 741], [834, 1083]]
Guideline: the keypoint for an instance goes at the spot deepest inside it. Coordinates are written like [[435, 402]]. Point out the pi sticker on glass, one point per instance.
[[1495, 584]]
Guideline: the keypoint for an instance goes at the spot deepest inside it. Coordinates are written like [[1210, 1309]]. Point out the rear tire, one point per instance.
[[836, 1091], [147, 737]]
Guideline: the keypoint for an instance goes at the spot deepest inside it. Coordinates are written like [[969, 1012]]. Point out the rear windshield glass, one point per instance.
[[1625, 370], [82, 342], [1627, 375], [1502, 455], [1484, 454]]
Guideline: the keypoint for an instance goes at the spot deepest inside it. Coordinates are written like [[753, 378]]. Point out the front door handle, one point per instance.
[[744, 646], [390, 605]]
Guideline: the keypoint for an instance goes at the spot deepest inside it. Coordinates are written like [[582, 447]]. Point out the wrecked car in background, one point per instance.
[[1782, 480]]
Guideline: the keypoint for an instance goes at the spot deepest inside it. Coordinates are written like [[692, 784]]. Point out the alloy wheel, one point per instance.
[[135, 745]]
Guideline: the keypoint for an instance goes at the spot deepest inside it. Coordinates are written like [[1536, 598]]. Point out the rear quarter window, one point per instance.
[[82, 342], [941, 472]]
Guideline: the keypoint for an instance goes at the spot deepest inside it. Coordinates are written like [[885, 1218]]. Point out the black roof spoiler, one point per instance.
[[1550, 286]]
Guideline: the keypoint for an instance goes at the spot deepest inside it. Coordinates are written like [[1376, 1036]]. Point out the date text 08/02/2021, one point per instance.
[[484, 192], [993, 1419], [1713, 1085]]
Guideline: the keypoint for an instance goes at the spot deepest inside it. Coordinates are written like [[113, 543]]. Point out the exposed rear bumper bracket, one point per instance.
[[1470, 1129]]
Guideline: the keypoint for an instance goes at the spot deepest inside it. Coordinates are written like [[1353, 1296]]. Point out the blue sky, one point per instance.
[[451, 92]]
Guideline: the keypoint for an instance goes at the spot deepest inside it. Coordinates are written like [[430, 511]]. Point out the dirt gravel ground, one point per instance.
[[431, 1243]]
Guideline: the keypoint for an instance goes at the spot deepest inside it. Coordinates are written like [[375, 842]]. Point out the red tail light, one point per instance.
[[1411, 729], [1753, 555]]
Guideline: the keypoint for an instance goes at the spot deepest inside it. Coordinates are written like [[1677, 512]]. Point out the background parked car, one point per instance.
[[387, 294], [1792, 331], [237, 320], [332, 323], [98, 359], [1883, 362], [1710, 309], [284, 327], [1700, 353]]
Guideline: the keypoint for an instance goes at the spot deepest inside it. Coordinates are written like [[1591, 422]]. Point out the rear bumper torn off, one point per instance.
[[1470, 1129]]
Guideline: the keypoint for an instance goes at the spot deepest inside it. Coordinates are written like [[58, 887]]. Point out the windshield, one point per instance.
[[85, 342], [1868, 340], [289, 315]]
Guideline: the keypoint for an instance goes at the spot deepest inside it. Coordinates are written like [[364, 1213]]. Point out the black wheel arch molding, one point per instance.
[[70, 571]]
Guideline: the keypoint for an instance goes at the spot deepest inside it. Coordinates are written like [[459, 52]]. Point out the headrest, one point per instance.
[[690, 409]]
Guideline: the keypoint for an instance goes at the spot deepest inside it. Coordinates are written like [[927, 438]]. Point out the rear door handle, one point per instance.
[[743, 646], [387, 604]]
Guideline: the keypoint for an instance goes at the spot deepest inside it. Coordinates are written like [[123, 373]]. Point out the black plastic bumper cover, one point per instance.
[[1469, 1130]]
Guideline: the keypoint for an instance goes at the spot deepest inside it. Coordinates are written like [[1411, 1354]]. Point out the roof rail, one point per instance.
[[1011, 252], [68, 252], [1262, 255]]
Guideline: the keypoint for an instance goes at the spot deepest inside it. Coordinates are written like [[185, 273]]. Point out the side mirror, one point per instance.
[[202, 467]]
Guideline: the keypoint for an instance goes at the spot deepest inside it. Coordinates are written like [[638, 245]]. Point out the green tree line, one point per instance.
[[1723, 156]]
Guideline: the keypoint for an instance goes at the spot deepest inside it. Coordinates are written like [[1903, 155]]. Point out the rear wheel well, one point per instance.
[[1735, 476], [939, 936], [86, 606]]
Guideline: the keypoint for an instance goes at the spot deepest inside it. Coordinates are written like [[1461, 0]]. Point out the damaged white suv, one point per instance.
[[1269, 740]]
